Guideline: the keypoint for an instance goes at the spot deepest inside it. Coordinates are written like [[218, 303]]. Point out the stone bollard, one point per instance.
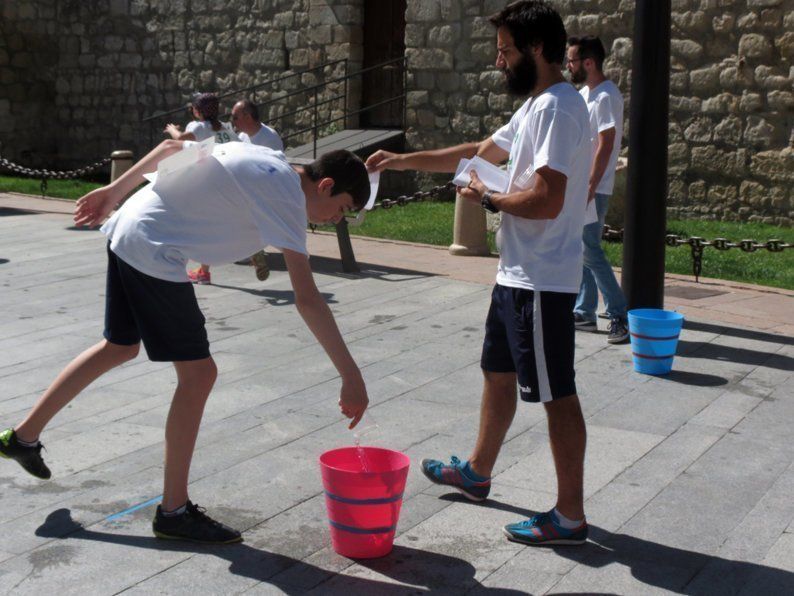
[[468, 236], [120, 162]]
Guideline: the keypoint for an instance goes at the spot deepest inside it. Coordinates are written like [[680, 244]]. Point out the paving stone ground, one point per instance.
[[689, 478]]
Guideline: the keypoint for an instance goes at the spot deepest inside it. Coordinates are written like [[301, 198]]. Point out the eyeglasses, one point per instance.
[[569, 61]]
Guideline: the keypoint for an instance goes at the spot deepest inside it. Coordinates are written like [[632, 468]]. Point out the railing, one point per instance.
[[241, 93], [319, 99], [317, 125]]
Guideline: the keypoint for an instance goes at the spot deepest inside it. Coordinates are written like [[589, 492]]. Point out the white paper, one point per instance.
[[374, 182], [590, 214], [184, 158], [494, 178]]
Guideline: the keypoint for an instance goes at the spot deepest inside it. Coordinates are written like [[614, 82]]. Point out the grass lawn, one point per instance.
[[62, 189], [431, 223]]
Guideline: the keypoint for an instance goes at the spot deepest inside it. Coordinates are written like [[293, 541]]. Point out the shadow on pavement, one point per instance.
[[332, 266], [712, 351], [7, 211], [661, 566], [420, 570], [743, 333], [276, 297], [695, 379]]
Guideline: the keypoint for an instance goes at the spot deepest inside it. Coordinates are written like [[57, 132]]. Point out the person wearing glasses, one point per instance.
[[245, 118], [585, 60]]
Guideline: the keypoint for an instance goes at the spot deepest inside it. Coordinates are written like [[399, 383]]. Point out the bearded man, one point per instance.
[[529, 330]]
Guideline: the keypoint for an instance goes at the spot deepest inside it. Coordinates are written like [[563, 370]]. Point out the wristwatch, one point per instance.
[[487, 204]]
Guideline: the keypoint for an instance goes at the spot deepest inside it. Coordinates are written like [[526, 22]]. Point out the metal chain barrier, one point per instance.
[[422, 195], [51, 174], [697, 244]]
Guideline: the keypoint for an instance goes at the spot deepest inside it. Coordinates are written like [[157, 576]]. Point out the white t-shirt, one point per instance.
[[605, 106], [219, 210], [551, 130], [203, 130], [266, 137]]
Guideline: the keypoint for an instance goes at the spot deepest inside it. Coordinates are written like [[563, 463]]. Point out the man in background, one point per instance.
[[245, 118], [605, 107]]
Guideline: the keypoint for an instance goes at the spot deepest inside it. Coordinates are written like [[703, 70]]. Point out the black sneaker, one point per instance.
[[27, 457], [618, 332], [583, 324], [193, 525]]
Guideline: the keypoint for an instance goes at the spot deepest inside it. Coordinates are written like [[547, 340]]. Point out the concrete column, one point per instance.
[[120, 162], [469, 237]]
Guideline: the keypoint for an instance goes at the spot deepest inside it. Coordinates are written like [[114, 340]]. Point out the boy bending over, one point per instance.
[[218, 210]]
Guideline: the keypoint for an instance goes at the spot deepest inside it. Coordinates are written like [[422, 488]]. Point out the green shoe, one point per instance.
[[27, 457]]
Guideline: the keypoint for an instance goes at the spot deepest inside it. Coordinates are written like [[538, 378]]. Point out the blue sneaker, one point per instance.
[[452, 474], [543, 529]]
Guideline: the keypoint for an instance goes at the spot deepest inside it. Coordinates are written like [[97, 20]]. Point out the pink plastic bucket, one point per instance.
[[363, 494]]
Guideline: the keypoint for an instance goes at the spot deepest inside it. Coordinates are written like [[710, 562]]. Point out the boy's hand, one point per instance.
[[353, 399], [93, 208], [383, 160]]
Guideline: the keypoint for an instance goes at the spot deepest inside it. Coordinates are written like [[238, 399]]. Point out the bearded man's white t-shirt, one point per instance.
[[218, 210], [605, 106], [553, 130]]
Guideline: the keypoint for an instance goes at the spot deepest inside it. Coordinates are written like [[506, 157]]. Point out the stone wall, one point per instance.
[[731, 104], [78, 76]]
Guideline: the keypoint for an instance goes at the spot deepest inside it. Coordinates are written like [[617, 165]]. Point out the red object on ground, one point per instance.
[[363, 495]]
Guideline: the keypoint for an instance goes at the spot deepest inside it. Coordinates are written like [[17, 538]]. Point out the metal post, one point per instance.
[[349, 264], [646, 189], [314, 140], [345, 100], [120, 162]]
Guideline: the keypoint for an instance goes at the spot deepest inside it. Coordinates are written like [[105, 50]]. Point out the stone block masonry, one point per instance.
[[77, 78]]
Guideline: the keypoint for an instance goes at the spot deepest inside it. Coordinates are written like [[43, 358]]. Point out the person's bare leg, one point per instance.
[[496, 415], [568, 437], [78, 374], [195, 379]]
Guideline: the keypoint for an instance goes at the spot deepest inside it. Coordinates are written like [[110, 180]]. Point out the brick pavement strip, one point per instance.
[[688, 479]]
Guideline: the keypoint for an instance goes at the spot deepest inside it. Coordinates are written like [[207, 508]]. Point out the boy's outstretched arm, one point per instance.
[[353, 398], [93, 208]]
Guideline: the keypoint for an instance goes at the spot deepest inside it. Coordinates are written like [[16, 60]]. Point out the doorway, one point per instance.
[[384, 39]]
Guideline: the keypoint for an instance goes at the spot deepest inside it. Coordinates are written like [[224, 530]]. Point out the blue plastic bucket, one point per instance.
[[654, 337]]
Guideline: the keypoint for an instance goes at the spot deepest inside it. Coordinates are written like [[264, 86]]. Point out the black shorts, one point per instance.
[[164, 314], [531, 333]]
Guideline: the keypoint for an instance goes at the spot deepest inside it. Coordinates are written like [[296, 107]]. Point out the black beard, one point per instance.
[[578, 76], [522, 79]]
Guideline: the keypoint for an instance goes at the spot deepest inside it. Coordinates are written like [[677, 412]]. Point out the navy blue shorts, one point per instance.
[[164, 314], [531, 333]]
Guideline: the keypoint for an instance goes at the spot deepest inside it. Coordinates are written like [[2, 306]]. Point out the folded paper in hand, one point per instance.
[[374, 182], [494, 178]]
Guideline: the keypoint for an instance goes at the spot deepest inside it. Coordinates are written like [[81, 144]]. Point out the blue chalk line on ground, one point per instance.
[[134, 508]]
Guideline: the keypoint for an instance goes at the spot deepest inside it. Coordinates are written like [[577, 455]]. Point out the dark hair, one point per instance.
[[346, 170], [249, 107], [531, 22], [207, 105], [591, 47]]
